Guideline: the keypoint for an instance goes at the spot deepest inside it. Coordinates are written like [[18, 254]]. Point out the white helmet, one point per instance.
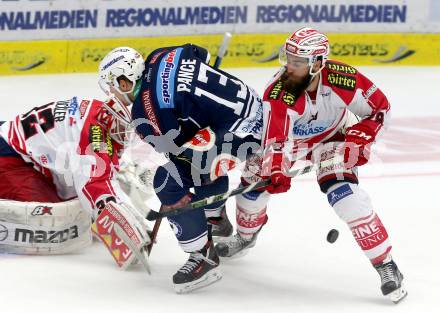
[[306, 43], [122, 61], [116, 116]]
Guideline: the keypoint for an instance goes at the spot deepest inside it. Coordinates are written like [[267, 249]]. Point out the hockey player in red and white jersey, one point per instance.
[[58, 164], [328, 113]]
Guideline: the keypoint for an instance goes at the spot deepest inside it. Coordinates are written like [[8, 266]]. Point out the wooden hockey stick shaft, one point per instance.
[[153, 215]]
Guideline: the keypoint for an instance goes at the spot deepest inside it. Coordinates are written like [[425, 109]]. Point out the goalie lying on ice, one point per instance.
[[61, 151]]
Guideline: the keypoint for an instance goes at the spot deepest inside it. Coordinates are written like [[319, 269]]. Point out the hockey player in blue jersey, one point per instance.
[[206, 121]]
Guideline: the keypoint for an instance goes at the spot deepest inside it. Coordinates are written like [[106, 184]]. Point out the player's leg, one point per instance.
[[172, 183], [250, 214], [353, 205], [215, 213]]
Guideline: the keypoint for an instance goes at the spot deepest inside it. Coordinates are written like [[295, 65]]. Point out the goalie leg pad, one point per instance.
[[43, 227], [134, 229], [353, 205]]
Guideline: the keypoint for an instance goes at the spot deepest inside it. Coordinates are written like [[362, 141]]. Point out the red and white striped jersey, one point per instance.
[[65, 142], [302, 120]]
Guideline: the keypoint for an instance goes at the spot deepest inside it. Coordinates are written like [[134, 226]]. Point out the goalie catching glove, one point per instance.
[[125, 234]]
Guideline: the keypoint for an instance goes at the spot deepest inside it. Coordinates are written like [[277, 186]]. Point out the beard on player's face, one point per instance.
[[294, 83]]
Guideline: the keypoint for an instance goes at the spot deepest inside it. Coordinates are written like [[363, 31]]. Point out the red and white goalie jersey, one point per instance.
[[65, 142], [314, 118]]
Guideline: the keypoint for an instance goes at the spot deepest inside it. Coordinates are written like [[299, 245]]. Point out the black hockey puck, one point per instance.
[[332, 235]]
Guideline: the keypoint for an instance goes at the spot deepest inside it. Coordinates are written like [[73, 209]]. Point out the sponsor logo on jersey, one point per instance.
[[254, 125], [149, 111], [185, 75], [341, 68], [3, 232], [42, 210], [96, 137], [370, 91], [289, 98], [341, 81], [156, 56], [147, 76], [97, 140], [274, 93], [109, 145], [83, 107], [42, 236], [310, 128], [60, 110], [252, 195], [73, 106], [166, 77], [339, 194], [277, 89]]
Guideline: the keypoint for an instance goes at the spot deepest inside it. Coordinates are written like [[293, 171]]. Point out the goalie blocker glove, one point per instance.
[[116, 218]]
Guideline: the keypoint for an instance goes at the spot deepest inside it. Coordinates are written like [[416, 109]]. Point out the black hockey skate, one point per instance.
[[221, 226], [391, 278], [236, 246], [199, 271]]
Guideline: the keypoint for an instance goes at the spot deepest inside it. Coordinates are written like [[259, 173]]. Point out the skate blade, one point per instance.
[[398, 295], [211, 277], [238, 255], [220, 239]]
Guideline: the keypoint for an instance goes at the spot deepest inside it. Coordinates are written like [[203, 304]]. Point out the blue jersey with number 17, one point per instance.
[[180, 91]]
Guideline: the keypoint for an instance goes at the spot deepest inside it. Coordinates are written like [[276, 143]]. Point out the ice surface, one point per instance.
[[292, 268]]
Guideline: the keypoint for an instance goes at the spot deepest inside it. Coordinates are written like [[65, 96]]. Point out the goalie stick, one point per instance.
[[141, 254], [221, 53]]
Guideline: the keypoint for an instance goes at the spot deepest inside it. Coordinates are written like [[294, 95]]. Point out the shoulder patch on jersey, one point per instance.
[[341, 81], [340, 67]]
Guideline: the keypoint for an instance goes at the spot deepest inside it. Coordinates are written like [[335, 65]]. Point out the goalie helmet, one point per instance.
[[115, 117], [306, 43]]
